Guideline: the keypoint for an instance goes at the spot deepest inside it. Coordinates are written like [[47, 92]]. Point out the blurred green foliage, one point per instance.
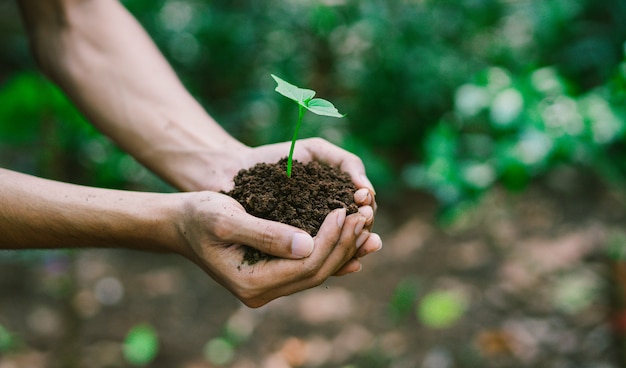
[[441, 309], [219, 351], [141, 345], [449, 96], [7, 340], [403, 299], [616, 246]]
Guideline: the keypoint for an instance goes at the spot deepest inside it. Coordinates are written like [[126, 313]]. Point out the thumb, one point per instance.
[[273, 237]]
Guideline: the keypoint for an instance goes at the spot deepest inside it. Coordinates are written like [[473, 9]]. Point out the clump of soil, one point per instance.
[[303, 201]]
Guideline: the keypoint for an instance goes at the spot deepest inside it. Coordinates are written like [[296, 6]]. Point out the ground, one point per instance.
[[529, 273]]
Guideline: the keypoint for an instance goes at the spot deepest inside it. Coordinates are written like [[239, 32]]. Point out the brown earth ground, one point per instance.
[[532, 269]]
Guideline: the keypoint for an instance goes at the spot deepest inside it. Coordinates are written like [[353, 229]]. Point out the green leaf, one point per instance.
[[141, 345], [304, 97], [323, 107], [301, 95]]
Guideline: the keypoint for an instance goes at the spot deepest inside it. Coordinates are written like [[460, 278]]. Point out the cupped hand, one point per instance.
[[306, 150], [213, 229], [318, 149]]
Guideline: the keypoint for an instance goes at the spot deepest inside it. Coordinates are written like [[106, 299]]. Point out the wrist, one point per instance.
[[161, 220], [211, 169]]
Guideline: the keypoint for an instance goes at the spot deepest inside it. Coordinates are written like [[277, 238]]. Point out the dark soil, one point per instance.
[[303, 200]]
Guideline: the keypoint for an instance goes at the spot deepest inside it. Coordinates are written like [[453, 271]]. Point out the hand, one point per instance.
[[213, 228], [307, 150], [323, 151]]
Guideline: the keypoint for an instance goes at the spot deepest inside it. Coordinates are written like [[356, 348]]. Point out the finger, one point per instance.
[[373, 243], [353, 265], [345, 248], [326, 152], [366, 243], [368, 213], [364, 197], [271, 237], [334, 246], [291, 276]]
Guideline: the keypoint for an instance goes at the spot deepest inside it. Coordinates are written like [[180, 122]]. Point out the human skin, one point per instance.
[[104, 61], [206, 227]]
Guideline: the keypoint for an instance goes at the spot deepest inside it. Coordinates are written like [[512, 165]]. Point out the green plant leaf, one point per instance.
[[301, 95], [304, 97], [323, 107], [141, 345]]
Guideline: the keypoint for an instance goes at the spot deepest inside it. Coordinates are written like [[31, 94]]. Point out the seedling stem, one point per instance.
[[304, 99]]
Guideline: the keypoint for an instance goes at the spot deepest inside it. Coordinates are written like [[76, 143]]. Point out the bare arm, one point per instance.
[[103, 59], [206, 227], [40, 213]]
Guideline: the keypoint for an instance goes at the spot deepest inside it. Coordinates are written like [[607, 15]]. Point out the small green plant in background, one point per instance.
[[219, 351], [441, 309], [7, 340], [616, 247], [304, 98], [141, 345], [403, 299]]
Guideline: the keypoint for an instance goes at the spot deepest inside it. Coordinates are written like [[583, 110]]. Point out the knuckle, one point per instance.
[[318, 141], [222, 235], [222, 228], [268, 239]]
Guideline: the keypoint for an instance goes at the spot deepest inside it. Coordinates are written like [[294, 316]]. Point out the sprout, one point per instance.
[[304, 98]]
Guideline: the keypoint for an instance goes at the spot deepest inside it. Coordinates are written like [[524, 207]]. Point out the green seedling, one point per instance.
[[304, 98]]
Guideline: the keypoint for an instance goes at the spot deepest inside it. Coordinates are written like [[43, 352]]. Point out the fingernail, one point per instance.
[[380, 243], [361, 195], [301, 245], [368, 183], [359, 225], [362, 238], [341, 217], [366, 211], [359, 269]]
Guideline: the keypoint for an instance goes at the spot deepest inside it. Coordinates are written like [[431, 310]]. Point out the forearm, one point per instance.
[[102, 58], [39, 213]]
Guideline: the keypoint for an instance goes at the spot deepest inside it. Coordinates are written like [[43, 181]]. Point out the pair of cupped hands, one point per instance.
[[216, 226]]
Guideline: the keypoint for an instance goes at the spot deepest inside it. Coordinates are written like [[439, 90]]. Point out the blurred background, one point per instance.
[[493, 130]]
